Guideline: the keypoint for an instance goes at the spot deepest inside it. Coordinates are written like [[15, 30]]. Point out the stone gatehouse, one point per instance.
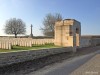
[[68, 33]]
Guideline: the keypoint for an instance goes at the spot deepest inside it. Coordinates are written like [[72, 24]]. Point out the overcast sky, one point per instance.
[[33, 12]]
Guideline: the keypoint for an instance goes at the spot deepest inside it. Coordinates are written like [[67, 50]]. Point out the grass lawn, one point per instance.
[[34, 47]]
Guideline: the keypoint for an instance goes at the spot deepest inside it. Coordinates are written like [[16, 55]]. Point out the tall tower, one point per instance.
[[31, 35], [67, 33]]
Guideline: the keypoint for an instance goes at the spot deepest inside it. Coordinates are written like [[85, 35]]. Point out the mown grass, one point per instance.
[[34, 47]]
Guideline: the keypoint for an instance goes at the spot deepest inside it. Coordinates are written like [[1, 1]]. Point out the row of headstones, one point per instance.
[[7, 43], [30, 42], [42, 41]]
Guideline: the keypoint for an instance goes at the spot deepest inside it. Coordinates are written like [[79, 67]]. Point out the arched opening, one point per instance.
[[77, 30]]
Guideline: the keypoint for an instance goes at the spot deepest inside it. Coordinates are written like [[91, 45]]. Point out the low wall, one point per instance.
[[87, 41], [16, 57], [95, 41]]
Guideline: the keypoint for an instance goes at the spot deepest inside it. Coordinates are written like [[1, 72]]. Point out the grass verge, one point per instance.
[[34, 47]]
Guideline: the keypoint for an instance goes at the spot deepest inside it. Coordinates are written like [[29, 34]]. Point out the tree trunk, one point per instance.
[[15, 35]]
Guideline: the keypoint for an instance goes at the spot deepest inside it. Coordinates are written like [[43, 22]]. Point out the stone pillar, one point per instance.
[[31, 35]]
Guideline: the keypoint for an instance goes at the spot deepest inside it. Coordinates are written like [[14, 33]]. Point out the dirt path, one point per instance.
[[30, 66]]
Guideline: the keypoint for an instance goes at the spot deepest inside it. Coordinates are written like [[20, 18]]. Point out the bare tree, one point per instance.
[[49, 22], [15, 26]]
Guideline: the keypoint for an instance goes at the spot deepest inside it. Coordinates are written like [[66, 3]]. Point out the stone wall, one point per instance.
[[88, 41], [85, 42], [16, 57], [95, 41]]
